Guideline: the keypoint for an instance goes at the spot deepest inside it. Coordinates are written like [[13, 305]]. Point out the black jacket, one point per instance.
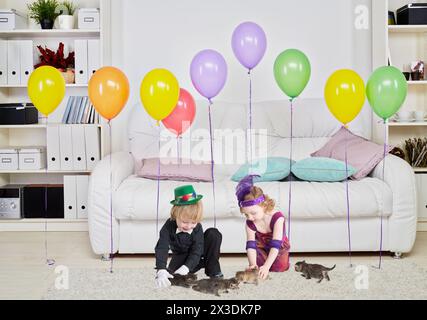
[[181, 243]]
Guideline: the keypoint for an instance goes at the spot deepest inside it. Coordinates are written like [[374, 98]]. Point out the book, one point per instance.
[[86, 113], [76, 109], [67, 109], [72, 110], [82, 110]]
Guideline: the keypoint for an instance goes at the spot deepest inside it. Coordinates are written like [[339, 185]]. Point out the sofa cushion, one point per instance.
[[135, 199], [362, 154], [268, 169], [320, 169]]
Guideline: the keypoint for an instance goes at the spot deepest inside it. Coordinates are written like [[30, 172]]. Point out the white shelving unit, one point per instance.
[[28, 135], [404, 44]]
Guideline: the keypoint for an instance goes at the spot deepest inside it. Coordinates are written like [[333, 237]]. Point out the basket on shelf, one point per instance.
[[416, 151]]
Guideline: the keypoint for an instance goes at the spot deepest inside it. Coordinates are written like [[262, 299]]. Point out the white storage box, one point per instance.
[[11, 20], [88, 18], [9, 159], [32, 158]]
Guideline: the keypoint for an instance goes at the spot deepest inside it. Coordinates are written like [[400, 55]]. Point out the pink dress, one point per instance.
[[263, 239]]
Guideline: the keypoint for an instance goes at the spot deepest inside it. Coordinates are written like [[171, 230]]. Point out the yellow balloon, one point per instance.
[[159, 93], [46, 89], [345, 95]]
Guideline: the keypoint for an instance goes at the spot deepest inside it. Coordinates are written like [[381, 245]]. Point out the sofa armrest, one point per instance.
[[402, 224], [117, 166]]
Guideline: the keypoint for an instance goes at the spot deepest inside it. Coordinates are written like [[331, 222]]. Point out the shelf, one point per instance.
[[420, 170], [41, 171], [408, 124], [53, 33], [407, 29], [12, 86], [419, 82], [44, 126]]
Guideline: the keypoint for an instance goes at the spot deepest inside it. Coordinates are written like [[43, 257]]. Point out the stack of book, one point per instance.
[[79, 110]]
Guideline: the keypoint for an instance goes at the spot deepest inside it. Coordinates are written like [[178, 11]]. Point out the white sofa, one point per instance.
[[318, 214]]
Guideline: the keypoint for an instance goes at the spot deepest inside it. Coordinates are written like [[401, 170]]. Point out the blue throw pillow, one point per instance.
[[270, 169], [320, 169]]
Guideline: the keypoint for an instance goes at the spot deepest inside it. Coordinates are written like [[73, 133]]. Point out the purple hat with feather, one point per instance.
[[244, 188]]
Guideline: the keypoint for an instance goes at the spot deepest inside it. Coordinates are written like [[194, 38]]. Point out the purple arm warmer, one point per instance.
[[276, 244], [250, 245]]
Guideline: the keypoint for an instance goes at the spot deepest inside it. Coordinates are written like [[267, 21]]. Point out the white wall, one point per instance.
[[168, 33]]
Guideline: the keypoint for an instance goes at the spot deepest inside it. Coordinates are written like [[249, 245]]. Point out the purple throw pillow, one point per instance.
[[362, 154], [187, 170]]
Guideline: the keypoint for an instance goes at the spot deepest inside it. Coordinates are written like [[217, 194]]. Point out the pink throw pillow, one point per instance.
[[362, 154], [187, 171]]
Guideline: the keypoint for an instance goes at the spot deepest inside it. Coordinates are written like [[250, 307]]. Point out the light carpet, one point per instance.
[[398, 279]]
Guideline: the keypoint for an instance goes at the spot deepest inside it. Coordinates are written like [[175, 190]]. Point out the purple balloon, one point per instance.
[[249, 44], [208, 73]]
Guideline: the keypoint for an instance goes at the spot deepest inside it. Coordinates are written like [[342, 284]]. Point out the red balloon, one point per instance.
[[183, 115]]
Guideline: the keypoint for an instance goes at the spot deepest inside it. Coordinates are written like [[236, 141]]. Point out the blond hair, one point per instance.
[[268, 204], [192, 212]]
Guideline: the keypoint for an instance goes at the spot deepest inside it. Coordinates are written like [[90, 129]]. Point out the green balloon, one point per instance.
[[386, 91], [292, 72]]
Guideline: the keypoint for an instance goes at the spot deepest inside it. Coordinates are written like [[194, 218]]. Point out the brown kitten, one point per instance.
[[248, 276], [316, 271]]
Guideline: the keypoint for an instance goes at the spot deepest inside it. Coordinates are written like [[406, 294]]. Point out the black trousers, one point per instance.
[[210, 258]]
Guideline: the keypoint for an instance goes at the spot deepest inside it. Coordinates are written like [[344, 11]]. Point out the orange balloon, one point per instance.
[[109, 91]]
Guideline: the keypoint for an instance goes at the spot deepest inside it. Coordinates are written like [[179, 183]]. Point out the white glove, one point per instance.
[[183, 270], [162, 279]]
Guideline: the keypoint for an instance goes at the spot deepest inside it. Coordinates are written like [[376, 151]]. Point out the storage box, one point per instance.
[[9, 159], [18, 113], [413, 13], [35, 198], [32, 158], [88, 18], [11, 20]]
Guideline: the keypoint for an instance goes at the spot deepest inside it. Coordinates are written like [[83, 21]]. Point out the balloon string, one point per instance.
[[290, 176], [381, 218], [111, 199], [158, 186], [250, 122], [177, 150], [348, 200], [49, 262], [212, 161]]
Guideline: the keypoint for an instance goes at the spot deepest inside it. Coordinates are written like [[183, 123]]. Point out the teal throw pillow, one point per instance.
[[270, 169], [318, 169]]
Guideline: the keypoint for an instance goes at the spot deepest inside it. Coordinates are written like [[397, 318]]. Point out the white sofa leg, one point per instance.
[[397, 255], [105, 257]]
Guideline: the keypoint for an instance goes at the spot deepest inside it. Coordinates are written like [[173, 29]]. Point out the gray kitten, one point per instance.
[[183, 281], [215, 286], [316, 271]]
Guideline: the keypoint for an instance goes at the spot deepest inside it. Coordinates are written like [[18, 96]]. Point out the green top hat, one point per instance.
[[185, 195]]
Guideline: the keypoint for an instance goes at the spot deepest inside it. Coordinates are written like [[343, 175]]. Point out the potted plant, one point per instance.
[[57, 60], [66, 12], [43, 12]]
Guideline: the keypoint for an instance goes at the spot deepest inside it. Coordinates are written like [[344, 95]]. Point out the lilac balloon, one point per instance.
[[208, 73], [249, 44]]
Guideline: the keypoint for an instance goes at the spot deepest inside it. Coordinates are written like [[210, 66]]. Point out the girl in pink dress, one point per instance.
[[267, 245]]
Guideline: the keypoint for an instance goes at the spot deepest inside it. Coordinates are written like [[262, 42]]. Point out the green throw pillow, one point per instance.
[[320, 169], [270, 169]]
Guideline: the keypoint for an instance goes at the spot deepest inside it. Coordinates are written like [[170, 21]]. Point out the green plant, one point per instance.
[[43, 10], [69, 6]]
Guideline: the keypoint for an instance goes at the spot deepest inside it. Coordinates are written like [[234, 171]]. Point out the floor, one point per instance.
[[24, 274]]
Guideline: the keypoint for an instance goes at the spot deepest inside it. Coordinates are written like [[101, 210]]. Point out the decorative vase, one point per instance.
[[66, 22], [46, 24], [68, 74]]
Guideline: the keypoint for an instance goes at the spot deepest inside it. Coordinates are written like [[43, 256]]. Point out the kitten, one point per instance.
[[183, 281], [316, 271], [248, 276], [215, 286]]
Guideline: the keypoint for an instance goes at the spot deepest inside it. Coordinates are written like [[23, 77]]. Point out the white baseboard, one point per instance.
[[35, 225], [422, 226]]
